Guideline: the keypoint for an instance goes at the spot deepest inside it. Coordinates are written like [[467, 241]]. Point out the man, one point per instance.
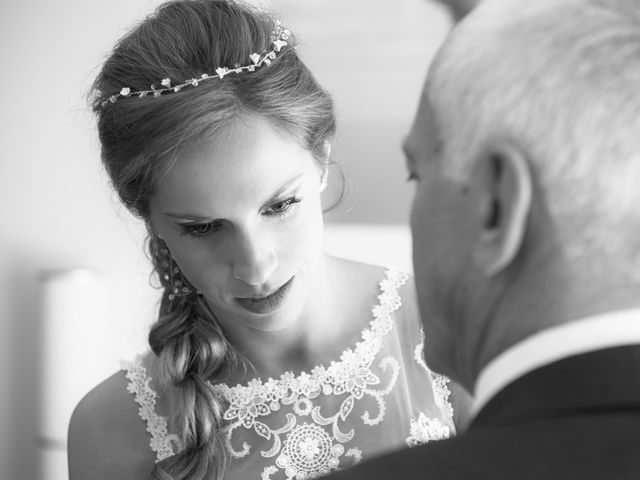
[[526, 231]]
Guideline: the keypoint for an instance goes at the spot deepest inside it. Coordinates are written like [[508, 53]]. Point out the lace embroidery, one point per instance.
[[440, 382], [308, 450], [426, 429], [161, 443]]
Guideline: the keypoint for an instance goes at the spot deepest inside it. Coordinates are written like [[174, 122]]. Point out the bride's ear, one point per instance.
[[326, 151], [503, 181], [324, 165]]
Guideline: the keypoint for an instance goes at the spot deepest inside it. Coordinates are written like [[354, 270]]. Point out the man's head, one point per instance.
[[526, 146]]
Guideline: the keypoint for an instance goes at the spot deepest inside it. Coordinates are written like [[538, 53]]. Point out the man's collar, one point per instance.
[[550, 345]]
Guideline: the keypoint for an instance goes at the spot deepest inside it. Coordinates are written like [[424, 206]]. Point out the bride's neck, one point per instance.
[[298, 346]]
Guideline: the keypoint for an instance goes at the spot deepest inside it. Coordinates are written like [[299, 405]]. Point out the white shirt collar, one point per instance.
[[550, 345]]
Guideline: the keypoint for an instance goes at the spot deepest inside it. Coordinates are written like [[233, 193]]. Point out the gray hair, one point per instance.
[[562, 78]]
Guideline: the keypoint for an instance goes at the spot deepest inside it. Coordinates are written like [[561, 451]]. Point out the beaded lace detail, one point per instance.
[[426, 429], [162, 443], [307, 449], [308, 440], [440, 382]]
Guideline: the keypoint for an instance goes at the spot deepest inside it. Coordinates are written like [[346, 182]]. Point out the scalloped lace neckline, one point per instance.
[[361, 354]]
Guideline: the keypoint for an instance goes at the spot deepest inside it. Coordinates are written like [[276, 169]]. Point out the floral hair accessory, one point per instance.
[[279, 38]]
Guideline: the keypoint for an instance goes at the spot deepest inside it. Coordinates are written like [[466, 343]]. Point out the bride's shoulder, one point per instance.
[[361, 270], [356, 277], [366, 280], [107, 438]]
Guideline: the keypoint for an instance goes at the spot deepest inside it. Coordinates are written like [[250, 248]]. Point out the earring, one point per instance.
[[171, 272], [324, 177]]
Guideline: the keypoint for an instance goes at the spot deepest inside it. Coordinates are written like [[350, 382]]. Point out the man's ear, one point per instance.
[[503, 181]]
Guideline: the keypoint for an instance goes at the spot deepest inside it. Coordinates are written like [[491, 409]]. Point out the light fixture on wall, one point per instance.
[[74, 356]]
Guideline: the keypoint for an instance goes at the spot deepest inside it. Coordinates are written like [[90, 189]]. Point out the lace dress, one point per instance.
[[378, 396]]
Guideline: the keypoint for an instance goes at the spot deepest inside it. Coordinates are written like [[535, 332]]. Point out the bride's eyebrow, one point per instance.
[[286, 187]]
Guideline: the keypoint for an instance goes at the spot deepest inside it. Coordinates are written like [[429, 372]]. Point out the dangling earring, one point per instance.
[[324, 177], [171, 273]]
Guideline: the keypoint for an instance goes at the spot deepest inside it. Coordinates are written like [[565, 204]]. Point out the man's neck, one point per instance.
[[582, 336], [558, 293]]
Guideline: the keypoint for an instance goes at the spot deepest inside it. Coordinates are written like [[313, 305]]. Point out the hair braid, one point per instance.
[[191, 350]]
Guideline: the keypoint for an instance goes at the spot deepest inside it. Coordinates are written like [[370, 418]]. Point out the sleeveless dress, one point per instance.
[[377, 397]]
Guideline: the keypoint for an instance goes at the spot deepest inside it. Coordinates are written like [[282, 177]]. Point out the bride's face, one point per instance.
[[241, 216]]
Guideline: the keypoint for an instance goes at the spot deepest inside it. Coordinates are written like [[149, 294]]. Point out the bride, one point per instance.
[[269, 359]]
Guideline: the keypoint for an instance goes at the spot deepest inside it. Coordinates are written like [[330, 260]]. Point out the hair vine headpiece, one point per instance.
[[279, 37]]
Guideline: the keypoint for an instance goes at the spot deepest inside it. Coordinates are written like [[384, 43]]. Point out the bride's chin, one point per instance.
[[282, 310], [286, 318]]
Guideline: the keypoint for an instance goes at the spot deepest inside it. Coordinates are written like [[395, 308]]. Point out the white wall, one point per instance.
[[57, 211], [372, 55]]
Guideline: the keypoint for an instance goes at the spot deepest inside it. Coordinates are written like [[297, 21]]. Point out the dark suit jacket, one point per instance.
[[576, 419]]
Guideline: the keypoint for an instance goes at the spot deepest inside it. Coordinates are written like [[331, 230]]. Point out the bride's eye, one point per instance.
[[200, 229], [282, 207]]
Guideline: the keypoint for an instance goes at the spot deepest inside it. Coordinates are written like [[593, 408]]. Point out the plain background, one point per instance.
[[57, 211]]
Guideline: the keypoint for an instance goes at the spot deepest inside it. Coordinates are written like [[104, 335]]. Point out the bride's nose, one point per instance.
[[254, 258]]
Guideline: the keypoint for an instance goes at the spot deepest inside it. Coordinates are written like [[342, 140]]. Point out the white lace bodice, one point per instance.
[[379, 395]]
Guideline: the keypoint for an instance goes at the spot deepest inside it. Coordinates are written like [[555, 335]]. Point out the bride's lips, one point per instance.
[[267, 304]]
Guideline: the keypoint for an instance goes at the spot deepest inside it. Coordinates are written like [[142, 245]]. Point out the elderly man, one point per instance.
[[526, 228]]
